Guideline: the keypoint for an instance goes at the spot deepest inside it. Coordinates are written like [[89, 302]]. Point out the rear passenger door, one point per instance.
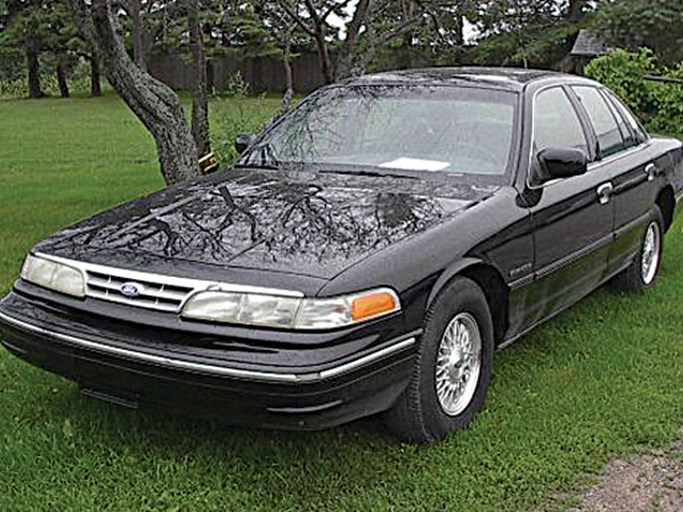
[[624, 153]]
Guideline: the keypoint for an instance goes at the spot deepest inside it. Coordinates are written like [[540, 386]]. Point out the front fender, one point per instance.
[[447, 275]]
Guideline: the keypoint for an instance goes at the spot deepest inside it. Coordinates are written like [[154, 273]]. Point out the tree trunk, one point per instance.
[[459, 30], [62, 81], [289, 79], [32, 54], [155, 104], [409, 13], [575, 11], [366, 58], [346, 54], [324, 56], [95, 79], [200, 101], [138, 52]]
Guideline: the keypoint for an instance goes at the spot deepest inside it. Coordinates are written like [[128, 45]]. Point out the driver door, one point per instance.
[[572, 220]]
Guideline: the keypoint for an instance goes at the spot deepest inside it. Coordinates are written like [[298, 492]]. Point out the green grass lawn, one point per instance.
[[603, 379]]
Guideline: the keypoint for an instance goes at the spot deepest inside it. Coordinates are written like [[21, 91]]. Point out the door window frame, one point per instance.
[[597, 163], [598, 156], [584, 122], [623, 110]]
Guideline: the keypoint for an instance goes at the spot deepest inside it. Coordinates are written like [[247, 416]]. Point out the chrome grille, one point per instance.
[[155, 291], [152, 295]]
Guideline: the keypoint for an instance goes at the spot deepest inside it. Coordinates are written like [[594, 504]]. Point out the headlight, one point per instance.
[[242, 308], [55, 276], [290, 313]]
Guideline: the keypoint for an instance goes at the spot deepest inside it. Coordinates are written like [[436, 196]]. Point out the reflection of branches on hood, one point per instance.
[[319, 228], [209, 237], [227, 197], [304, 204], [173, 238]]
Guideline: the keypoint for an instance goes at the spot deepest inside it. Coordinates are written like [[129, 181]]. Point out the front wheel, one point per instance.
[[642, 273], [452, 369]]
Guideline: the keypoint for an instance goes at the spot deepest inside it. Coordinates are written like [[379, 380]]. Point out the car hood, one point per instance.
[[307, 223]]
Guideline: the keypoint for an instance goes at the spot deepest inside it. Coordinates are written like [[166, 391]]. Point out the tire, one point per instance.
[[642, 273], [421, 414]]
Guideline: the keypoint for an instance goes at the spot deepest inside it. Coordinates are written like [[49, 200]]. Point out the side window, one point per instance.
[[556, 124], [636, 127], [607, 131], [624, 128]]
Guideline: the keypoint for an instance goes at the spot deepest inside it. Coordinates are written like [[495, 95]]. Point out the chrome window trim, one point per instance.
[[596, 164], [209, 369], [618, 156], [527, 178]]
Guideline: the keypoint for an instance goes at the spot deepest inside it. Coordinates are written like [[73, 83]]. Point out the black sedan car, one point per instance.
[[368, 253]]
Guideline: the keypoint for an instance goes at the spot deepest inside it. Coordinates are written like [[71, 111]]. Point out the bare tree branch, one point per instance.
[[296, 19], [333, 8], [313, 13]]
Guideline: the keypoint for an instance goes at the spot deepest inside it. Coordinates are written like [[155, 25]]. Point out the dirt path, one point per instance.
[[641, 483]]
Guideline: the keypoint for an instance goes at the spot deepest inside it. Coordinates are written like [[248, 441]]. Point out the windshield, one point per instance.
[[458, 130]]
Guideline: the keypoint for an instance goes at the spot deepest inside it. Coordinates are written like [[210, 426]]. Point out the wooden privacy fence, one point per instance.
[[263, 74]]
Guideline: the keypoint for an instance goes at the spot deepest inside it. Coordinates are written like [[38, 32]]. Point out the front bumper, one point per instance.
[[207, 383]]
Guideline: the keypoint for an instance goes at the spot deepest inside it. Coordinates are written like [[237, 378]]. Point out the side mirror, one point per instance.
[[242, 142], [562, 163]]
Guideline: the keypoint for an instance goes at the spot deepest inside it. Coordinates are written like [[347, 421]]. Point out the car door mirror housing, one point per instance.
[[558, 163], [243, 141]]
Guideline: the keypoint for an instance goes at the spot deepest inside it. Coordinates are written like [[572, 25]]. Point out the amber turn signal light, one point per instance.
[[372, 305]]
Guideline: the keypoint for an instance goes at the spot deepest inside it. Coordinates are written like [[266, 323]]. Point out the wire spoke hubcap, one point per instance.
[[458, 364], [650, 253]]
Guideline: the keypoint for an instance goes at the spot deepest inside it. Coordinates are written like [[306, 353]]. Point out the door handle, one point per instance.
[[652, 171], [604, 192]]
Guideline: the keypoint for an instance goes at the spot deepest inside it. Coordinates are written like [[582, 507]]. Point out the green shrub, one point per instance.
[[235, 115], [624, 73], [668, 99], [659, 105]]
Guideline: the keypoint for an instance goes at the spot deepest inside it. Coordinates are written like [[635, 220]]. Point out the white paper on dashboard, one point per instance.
[[415, 164]]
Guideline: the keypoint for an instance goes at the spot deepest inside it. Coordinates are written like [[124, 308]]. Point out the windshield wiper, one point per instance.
[[254, 165], [374, 174]]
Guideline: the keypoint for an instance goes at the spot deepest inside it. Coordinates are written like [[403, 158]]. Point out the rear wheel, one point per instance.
[[642, 273], [452, 369]]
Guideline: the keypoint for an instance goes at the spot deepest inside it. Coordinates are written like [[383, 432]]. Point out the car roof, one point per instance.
[[513, 79]]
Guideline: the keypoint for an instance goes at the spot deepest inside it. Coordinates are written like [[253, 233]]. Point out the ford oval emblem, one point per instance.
[[131, 290]]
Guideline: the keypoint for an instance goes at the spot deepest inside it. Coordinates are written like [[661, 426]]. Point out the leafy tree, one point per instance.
[[631, 24], [37, 27], [523, 32], [26, 28], [528, 33], [659, 105], [371, 25], [625, 73], [436, 34]]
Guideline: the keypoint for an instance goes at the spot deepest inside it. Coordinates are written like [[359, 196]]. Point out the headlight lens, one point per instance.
[[242, 308], [290, 313], [55, 276]]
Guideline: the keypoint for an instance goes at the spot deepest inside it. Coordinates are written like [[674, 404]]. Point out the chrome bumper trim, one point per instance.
[[208, 369], [365, 360]]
